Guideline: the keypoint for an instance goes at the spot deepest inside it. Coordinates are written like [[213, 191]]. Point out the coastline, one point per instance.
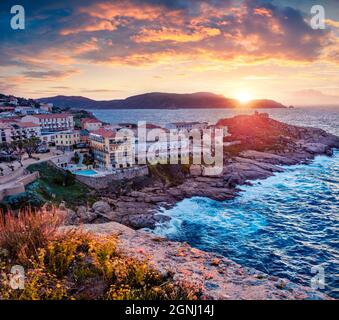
[[122, 213], [137, 206]]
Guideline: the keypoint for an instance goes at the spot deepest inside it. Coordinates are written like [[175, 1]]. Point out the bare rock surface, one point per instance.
[[218, 277]]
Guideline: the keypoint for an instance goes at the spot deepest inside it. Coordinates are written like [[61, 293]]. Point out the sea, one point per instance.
[[286, 226]]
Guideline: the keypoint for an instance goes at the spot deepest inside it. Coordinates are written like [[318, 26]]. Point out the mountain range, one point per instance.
[[158, 100]]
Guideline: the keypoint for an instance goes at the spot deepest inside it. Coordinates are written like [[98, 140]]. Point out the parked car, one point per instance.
[[42, 150]]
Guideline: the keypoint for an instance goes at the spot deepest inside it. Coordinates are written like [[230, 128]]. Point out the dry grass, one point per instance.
[[75, 265], [24, 234]]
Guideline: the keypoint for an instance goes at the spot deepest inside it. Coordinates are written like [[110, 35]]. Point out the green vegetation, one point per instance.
[[78, 115], [76, 158], [75, 265], [88, 160], [171, 175], [56, 185]]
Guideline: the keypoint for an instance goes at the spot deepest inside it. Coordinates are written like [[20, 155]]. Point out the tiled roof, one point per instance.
[[52, 115], [104, 133], [90, 120], [27, 124]]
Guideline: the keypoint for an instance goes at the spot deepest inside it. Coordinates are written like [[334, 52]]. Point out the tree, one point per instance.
[[31, 145], [88, 160], [76, 158], [19, 150], [7, 148]]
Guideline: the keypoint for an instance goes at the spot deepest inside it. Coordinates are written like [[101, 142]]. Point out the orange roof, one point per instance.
[[52, 115], [90, 120], [9, 120], [104, 133], [27, 124]]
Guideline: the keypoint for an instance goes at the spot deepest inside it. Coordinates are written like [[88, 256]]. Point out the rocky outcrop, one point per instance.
[[218, 277], [286, 145]]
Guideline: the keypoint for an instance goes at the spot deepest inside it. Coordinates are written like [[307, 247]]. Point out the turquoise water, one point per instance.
[[85, 172], [283, 225]]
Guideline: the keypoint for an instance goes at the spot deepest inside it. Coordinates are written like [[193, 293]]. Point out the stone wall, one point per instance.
[[18, 186], [12, 176], [105, 181]]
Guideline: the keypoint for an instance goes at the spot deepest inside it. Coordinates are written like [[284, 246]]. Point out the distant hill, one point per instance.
[[157, 100]]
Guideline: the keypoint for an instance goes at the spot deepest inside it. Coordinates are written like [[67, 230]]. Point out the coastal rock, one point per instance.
[[101, 207], [85, 215], [317, 148], [141, 221], [195, 170], [218, 277], [157, 199], [267, 157]]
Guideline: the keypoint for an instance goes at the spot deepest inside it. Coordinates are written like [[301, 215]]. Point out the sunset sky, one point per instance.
[[113, 49]]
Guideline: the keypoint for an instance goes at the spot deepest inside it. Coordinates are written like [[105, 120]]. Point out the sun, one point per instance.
[[243, 96]]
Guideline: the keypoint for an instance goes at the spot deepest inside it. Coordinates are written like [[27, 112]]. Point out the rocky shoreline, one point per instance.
[[139, 208], [121, 213], [217, 277]]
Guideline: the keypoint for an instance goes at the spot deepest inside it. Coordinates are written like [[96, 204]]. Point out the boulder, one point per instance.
[[101, 207], [140, 221], [316, 148], [195, 170]]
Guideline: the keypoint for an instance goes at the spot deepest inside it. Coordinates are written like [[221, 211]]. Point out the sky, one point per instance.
[[249, 49]]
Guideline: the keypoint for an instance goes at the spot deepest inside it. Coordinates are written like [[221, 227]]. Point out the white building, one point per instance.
[[52, 122], [187, 125], [90, 124], [46, 107], [13, 101], [16, 131]]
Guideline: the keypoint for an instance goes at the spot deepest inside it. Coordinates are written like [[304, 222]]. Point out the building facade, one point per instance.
[[53, 122], [187, 125], [90, 124], [16, 131], [110, 150], [67, 140]]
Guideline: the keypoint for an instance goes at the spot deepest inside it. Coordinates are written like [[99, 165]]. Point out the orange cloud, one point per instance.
[[177, 35], [108, 10], [263, 12], [98, 26], [332, 23]]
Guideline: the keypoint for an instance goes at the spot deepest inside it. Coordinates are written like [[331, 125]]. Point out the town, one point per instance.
[[33, 132]]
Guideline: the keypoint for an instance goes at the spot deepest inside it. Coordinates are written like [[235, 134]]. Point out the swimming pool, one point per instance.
[[85, 172]]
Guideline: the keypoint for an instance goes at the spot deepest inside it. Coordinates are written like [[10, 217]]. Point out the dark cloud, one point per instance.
[[53, 74], [145, 31]]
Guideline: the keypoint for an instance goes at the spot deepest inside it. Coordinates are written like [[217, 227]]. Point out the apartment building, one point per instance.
[[110, 150], [90, 124], [16, 131], [67, 140], [53, 122], [48, 107], [187, 125]]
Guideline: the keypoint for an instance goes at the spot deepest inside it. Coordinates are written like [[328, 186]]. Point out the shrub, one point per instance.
[[22, 236], [75, 265]]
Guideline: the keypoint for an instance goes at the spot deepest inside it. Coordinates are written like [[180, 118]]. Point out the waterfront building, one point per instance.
[[53, 122], [110, 150]]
